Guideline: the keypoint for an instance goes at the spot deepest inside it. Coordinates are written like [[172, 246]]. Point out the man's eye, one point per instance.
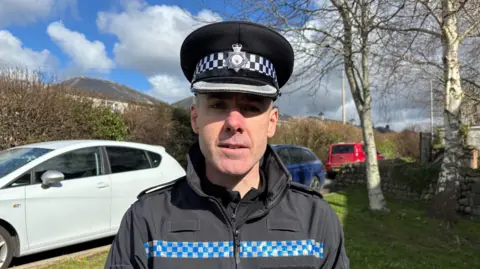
[[251, 109], [217, 105]]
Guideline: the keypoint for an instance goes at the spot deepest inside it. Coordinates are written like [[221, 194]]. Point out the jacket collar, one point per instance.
[[277, 177]]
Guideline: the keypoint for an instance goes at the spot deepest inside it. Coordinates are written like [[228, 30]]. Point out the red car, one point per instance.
[[341, 153]]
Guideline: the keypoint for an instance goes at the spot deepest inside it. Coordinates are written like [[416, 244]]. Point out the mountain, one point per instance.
[[109, 89]]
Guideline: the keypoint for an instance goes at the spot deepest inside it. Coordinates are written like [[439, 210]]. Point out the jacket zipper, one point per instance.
[[236, 233], [236, 236]]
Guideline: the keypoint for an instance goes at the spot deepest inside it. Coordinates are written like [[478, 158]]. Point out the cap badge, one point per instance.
[[236, 58]]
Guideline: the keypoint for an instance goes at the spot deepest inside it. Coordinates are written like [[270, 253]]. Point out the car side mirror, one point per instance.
[[51, 177]]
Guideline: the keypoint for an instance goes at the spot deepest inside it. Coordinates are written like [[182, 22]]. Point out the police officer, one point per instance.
[[237, 206]]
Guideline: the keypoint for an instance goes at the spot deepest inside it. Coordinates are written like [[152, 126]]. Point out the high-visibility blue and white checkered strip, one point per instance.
[[224, 249], [168, 249], [254, 62], [253, 249]]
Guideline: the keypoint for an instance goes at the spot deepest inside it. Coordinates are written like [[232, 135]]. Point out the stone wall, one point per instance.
[[414, 182], [469, 192]]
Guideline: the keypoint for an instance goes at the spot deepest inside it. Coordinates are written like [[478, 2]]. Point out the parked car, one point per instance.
[[60, 193], [304, 166], [342, 153]]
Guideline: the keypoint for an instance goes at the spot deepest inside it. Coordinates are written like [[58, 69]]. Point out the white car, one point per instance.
[[60, 193]]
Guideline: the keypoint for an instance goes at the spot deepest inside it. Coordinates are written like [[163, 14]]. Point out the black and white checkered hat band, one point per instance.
[[254, 62]]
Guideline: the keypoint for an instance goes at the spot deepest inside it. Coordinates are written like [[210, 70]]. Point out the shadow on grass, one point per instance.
[[404, 238]]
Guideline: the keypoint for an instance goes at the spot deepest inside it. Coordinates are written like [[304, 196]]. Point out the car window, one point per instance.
[[342, 149], [155, 158], [75, 164], [23, 180], [296, 155], [308, 156], [124, 159], [284, 156]]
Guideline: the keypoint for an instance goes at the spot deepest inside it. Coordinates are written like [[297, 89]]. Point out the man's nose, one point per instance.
[[235, 122]]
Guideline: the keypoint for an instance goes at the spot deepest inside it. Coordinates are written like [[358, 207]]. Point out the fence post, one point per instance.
[[475, 158], [425, 147]]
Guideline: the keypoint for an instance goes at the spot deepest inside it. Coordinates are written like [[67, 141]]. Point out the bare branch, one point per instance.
[[471, 82], [413, 29], [469, 30], [388, 18], [425, 3]]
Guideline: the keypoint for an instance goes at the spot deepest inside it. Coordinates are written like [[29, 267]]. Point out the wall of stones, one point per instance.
[[469, 192], [413, 182]]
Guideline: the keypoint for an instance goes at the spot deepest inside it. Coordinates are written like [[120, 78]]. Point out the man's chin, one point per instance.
[[238, 167]]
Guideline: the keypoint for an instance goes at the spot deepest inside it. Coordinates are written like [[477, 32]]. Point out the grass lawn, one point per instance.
[[403, 239]]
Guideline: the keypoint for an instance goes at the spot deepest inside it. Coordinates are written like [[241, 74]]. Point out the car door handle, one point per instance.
[[101, 185]]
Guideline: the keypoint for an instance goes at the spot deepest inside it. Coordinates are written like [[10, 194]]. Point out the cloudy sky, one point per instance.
[[137, 43]]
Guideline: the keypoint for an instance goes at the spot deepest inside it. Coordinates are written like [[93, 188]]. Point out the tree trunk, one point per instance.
[[361, 95], [375, 195], [449, 172]]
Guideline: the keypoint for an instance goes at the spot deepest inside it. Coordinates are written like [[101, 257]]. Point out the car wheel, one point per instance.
[[315, 184], [6, 248]]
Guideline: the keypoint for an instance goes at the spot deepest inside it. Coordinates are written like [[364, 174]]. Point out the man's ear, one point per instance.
[[194, 117], [272, 122]]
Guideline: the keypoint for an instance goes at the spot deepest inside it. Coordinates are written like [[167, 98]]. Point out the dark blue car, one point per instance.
[[303, 165]]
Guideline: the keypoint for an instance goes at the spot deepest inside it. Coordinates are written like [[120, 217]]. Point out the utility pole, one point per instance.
[[344, 109]]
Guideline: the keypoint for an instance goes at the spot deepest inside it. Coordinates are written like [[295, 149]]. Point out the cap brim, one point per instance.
[[212, 87]]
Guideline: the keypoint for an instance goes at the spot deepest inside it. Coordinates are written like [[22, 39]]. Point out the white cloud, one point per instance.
[[149, 40], [86, 55], [169, 88], [29, 11], [14, 55], [150, 37]]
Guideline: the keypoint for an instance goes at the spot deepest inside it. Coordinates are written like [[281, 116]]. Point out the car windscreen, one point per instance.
[[12, 159]]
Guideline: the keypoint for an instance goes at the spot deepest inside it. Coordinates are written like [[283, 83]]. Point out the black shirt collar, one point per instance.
[[227, 196]]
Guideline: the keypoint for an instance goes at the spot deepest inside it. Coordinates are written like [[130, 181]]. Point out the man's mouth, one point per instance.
[[232, 146]]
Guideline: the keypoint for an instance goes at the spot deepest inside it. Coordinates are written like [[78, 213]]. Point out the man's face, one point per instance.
[[233, 129]]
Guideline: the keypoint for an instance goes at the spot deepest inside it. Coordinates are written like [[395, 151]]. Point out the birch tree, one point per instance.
[[448, 24], [330, 36]]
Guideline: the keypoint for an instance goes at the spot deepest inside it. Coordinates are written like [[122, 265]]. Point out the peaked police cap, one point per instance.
[[237, 56]]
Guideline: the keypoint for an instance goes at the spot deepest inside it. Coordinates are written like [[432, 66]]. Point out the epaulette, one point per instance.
[[305, 189], [160, 187]]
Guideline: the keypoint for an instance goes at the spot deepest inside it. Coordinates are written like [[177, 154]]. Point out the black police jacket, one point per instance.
[[180, 227]]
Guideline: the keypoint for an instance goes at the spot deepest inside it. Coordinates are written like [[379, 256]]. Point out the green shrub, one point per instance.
[[417, 176], [181, 136], [107, 124], [387, 148]]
